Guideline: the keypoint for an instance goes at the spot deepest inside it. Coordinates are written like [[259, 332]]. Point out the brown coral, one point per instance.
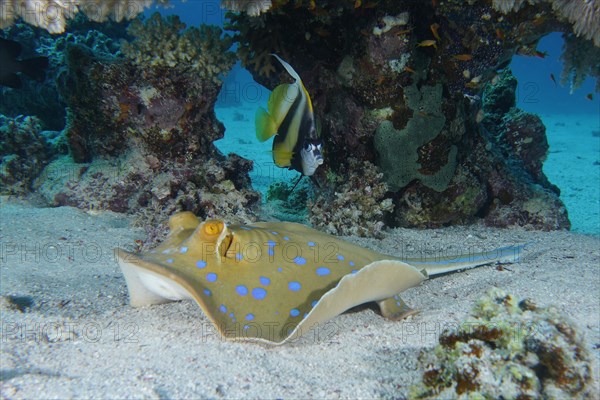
[[355, 206]]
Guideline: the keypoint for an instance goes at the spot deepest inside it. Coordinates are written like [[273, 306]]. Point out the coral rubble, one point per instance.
[[356, 206], [510, 349]]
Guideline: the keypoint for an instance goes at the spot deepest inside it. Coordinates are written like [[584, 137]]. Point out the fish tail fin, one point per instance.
[[35, 68], [265, 125], [442, 265]]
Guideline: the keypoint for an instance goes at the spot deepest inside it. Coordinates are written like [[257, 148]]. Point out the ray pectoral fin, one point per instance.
[[375, 282], [395, 308], [145, 286], [265, 125]]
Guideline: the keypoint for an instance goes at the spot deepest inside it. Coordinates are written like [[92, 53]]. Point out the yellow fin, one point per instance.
[[265, 126], [281, 100], [282, 156]]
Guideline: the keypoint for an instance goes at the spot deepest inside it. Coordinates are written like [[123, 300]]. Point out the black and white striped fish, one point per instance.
[[291, 120]]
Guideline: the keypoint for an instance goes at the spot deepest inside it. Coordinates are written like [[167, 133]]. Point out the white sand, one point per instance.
[[79, 338]]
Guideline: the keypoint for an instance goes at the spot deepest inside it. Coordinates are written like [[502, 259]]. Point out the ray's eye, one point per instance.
[[210, 231], [213, 228]]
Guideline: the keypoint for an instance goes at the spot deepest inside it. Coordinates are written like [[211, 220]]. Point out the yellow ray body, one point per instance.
[[271, 282]]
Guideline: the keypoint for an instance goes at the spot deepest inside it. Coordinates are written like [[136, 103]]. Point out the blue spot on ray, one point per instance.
[[274, 233], [201, 264], [264, 281], [311, 244], [183, 250], [223, 309], [239, 257], [241, 290], [270, 251], [279, 269], [294, 286], [286, 238], [170, 260], [259, 293], [313, 303], [340, 257], [351, 263], [207, 292], [211, 277], [294, 312], [271, 243], [300, 260], [322, 271], [249, 317]]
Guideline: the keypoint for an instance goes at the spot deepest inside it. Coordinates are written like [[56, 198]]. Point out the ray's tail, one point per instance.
[[442, 265]]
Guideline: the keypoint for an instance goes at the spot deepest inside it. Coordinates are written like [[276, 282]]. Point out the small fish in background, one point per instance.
[[427, 43], [434, 29], [463, 57], [291, 120], [553, 78], [500, 34], [590, 97], [10, 65]]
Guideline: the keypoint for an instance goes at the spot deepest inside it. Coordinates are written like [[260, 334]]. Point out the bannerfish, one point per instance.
[[272, 282], [10, 65], [291, 120]]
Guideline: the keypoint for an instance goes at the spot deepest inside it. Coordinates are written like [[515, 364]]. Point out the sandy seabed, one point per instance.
[[72, 333]]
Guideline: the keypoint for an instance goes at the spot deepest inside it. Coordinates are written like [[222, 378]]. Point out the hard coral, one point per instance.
[[250, 7], [580, 59], [355, 206], [583, 14], [52, 15], [24, 152], [510, 349], [165, 43]]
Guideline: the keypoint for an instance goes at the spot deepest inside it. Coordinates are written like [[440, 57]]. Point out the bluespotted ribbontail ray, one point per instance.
[[272, 281]]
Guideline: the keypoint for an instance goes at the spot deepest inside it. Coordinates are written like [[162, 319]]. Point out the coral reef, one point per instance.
[[139, 183], [141, 130], [580, 59], [406, 97], [353, 206], [43, 100], [24, 152], [510, 349], [165, 43], [53, 15], [399, 149], [583, 14]]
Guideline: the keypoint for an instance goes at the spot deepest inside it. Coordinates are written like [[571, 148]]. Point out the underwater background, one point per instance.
[[447, 129]]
